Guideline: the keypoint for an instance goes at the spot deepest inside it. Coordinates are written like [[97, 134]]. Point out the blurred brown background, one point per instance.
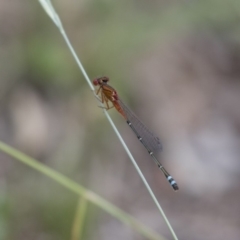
[[175, 63]]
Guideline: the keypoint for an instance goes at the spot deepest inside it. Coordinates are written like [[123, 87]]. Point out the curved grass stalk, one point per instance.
[[55, 18], [81, 191], [78, 224]]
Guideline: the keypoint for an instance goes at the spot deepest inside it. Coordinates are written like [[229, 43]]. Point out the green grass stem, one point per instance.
[[81, 191]]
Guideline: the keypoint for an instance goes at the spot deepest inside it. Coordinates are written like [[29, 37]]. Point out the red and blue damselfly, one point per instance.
[[145, 136]]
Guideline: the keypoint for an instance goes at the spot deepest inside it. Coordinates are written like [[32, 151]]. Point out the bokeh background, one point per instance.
[[175, 63]]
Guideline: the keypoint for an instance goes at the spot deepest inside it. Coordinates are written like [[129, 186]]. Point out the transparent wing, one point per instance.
[[150, 141]]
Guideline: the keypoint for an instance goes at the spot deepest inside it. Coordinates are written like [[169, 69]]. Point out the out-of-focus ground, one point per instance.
[[175, 63]]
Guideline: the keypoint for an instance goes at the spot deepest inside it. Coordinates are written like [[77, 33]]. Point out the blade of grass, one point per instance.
[[80, 216], [81, 191]]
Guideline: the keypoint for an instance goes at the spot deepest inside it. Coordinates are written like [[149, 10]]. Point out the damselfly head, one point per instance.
[[100, 80], [95, 82]]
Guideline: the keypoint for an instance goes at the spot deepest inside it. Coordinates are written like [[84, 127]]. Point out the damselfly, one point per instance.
[[145, 136]]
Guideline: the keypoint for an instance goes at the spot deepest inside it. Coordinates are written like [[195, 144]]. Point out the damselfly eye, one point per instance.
[[95, 82]]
